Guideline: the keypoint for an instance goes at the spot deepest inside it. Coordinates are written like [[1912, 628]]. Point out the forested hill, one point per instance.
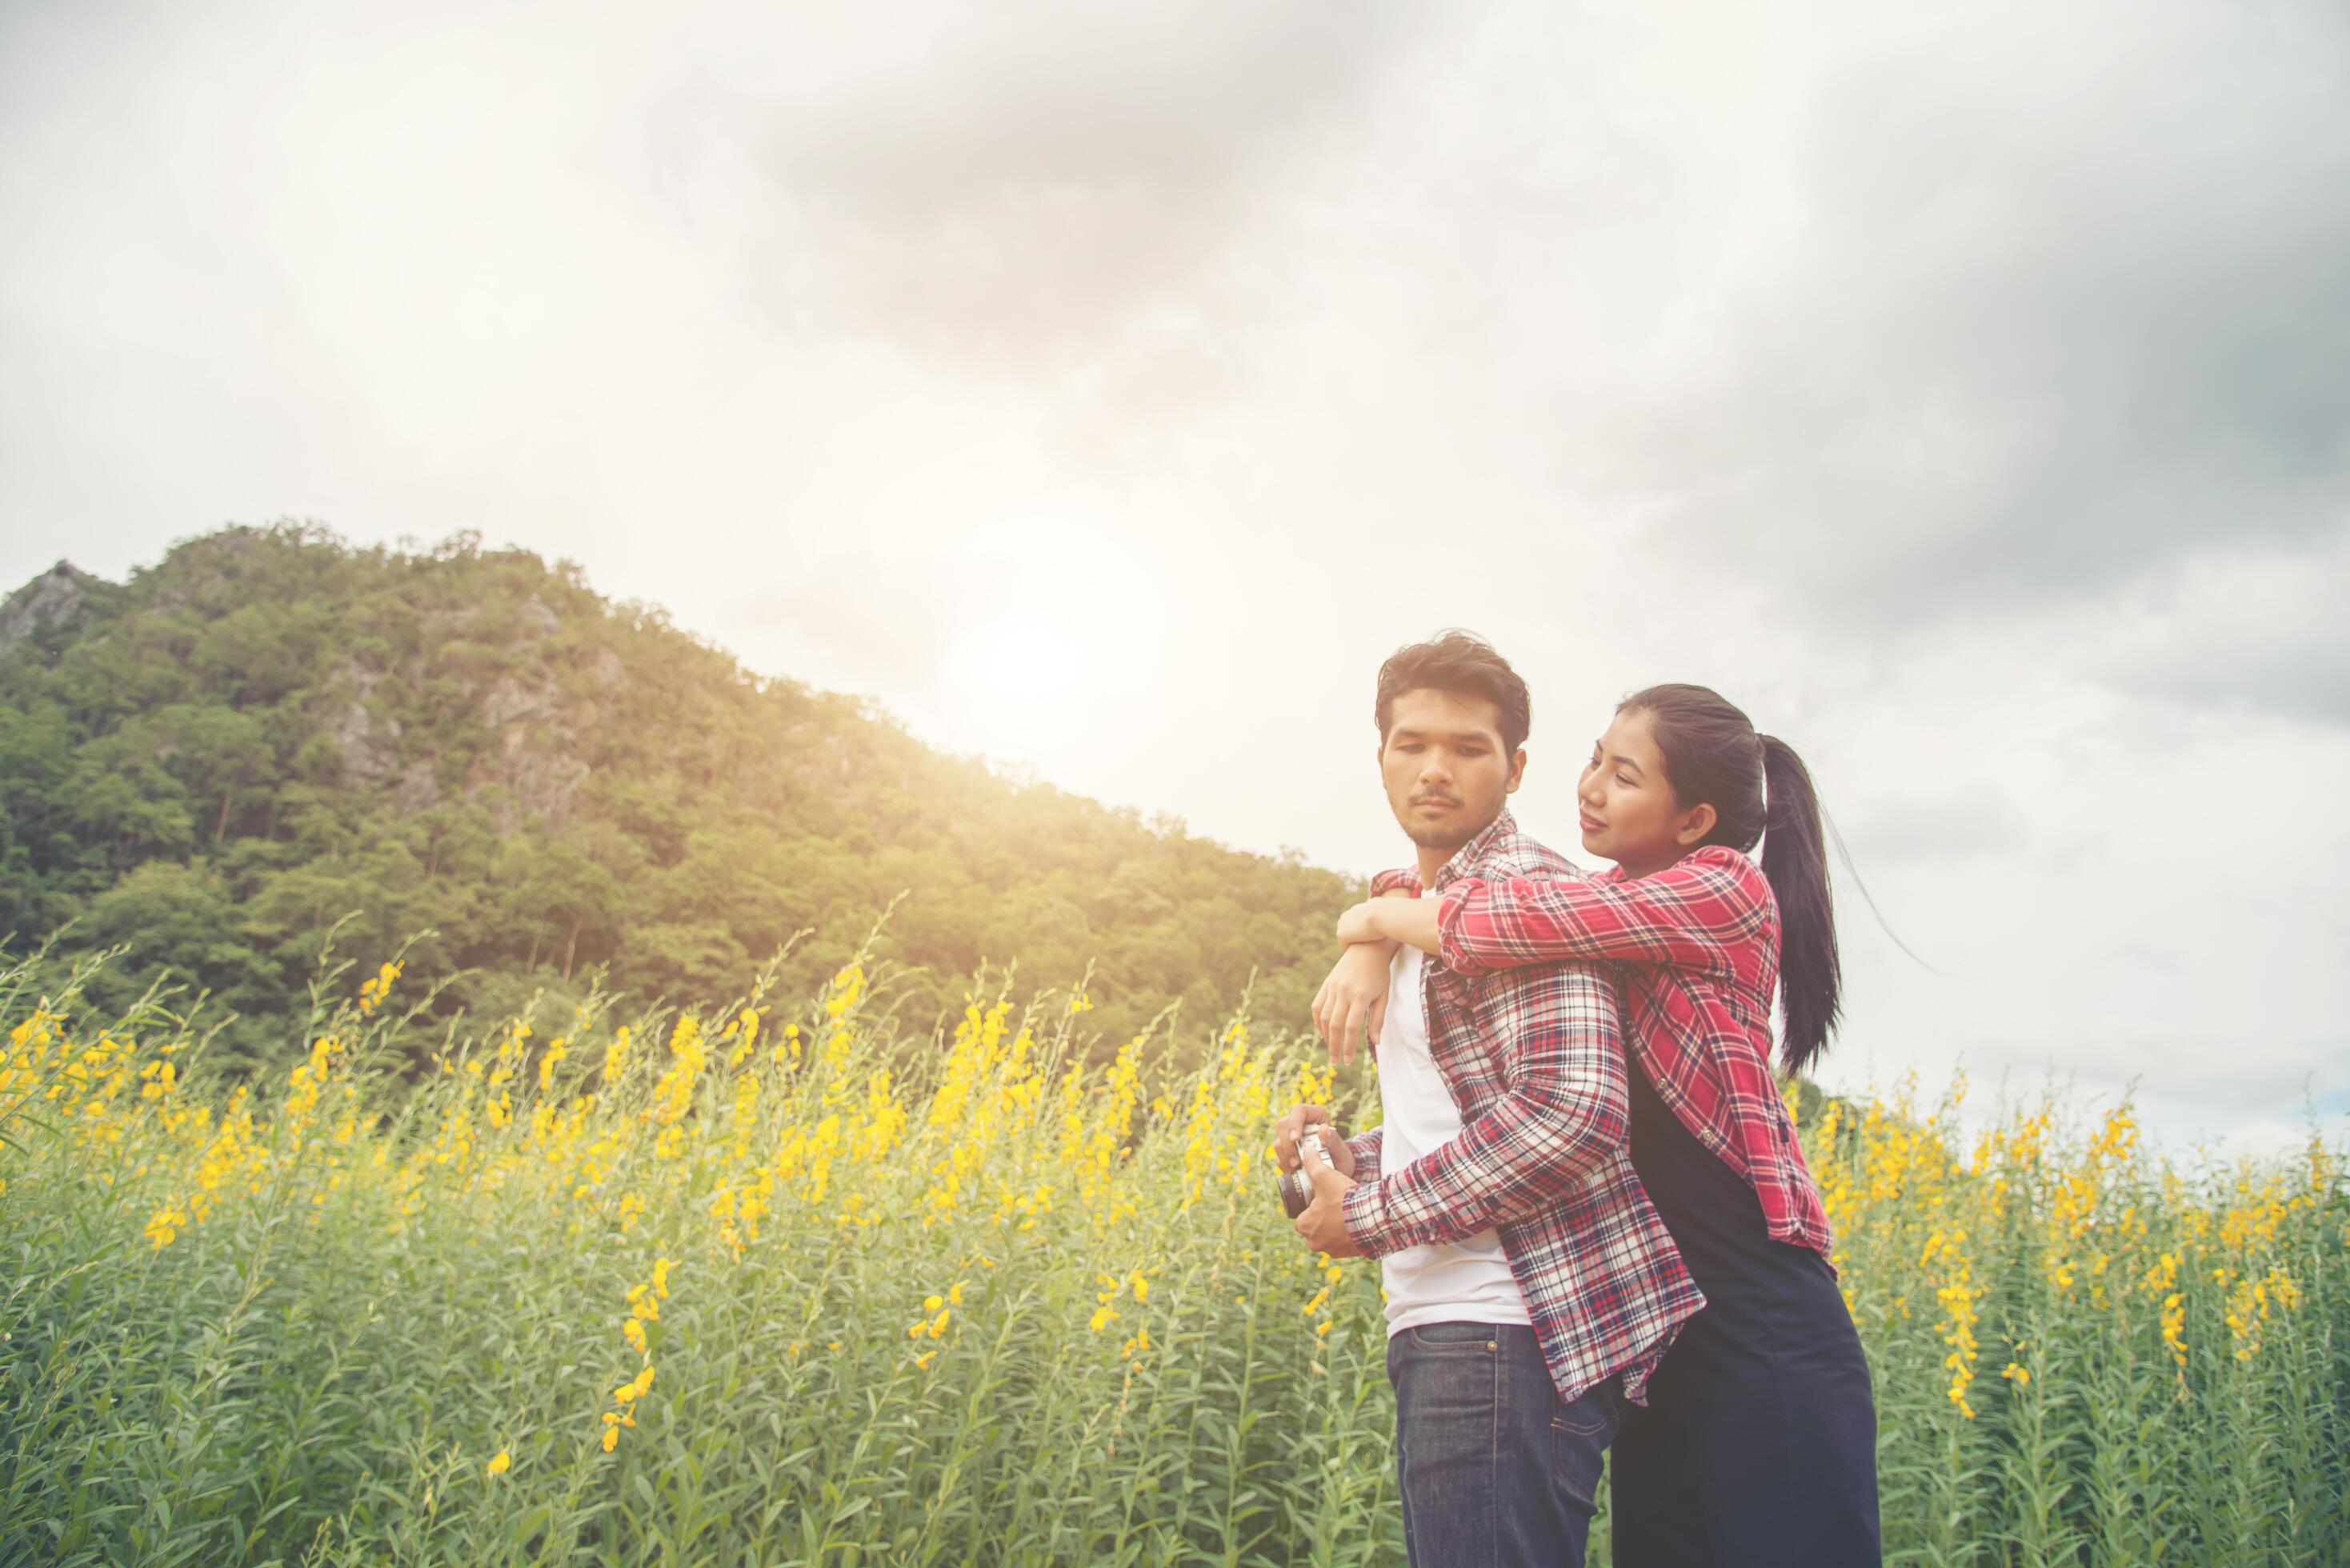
[[216, 760]]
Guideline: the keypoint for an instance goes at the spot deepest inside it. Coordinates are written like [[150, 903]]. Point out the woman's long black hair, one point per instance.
[[1759, 789]]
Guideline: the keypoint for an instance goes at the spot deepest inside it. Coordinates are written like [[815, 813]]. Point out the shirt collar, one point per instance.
[[1465, 858]]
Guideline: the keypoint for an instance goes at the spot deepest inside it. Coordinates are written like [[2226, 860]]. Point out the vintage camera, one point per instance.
[[1297, 1189]]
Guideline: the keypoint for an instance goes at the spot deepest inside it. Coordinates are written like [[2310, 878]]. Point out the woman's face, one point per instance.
[[1629, 811]]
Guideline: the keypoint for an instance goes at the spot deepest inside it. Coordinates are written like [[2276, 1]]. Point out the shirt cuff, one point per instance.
[[1360, 1208], [1449, 904]]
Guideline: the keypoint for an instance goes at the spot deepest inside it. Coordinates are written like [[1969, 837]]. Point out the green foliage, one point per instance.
[[272, 730]]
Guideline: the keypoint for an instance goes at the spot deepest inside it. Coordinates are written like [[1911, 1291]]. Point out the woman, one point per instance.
[[1758, 1442]]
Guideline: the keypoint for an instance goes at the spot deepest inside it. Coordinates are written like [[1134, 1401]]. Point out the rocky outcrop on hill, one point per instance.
[[54, 599]]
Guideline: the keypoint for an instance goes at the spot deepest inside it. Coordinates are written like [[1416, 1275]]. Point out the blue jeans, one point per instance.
[[1496, 1467]]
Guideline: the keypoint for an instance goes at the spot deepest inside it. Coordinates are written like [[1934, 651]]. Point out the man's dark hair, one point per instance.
[[1464, 664]]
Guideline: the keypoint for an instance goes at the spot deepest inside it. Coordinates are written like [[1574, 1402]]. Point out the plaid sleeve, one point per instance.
[[1365, 1148], [1563, 1113], [1403, 876], [1688, 916]]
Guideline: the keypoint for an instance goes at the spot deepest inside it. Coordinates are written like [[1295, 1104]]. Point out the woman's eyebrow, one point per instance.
[[1621, 761]]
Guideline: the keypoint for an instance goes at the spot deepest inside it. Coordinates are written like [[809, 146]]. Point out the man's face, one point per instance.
[[1446, 774]]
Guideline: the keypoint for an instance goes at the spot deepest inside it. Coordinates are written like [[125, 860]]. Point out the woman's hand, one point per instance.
[[1390, 917], [1353, 998]]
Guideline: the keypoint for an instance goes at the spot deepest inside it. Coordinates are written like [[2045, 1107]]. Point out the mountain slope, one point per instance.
[[271, 729]]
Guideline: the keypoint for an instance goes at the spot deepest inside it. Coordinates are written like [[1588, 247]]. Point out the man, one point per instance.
[[1531, 1287]]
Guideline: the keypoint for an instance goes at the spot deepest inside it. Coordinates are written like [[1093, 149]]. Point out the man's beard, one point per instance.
[[1447, 836]]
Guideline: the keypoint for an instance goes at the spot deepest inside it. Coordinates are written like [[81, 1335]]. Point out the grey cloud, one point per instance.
[[2194, 1076], [2270, 633], [2059, 318], [1039, 181], [1976, 820]]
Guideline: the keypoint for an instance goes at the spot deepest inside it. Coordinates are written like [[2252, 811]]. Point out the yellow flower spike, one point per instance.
[[955, 1295], [611, 1438], [502, 1463], [932, 1303]]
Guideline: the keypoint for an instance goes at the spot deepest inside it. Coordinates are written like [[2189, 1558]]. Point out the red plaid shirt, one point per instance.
[[1697, 946], [1534, 1062]]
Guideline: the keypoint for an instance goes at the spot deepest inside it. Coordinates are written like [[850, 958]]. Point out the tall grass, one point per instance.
[[785, 1282]]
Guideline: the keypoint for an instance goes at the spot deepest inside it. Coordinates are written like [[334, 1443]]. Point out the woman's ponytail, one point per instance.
[[1796, 860], [1760, 790]]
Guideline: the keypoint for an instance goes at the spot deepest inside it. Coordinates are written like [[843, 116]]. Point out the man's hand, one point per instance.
[[1285, 1132], [1324, 1223], [1353, 999]]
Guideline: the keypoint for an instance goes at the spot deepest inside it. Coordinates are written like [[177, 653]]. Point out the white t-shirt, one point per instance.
[[1467, 1280]]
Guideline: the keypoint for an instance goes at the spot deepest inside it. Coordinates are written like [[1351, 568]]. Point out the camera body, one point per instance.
[[1296, 1187]]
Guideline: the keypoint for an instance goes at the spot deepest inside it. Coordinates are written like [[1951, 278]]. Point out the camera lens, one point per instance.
[[1296, 1192]]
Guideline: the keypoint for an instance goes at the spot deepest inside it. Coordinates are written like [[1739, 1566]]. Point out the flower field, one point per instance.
[[786, 1280]]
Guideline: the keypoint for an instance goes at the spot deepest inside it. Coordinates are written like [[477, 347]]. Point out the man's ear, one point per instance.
[[1700, 822], [1517, 769]]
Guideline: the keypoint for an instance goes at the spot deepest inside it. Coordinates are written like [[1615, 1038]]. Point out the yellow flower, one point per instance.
[[502, 1463], [2174, 1325]]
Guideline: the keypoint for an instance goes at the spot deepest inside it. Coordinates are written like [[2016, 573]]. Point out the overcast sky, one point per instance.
[[1961, 388]]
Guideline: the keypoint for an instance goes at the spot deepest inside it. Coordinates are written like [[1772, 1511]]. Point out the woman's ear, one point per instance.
[[1695, 825]]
